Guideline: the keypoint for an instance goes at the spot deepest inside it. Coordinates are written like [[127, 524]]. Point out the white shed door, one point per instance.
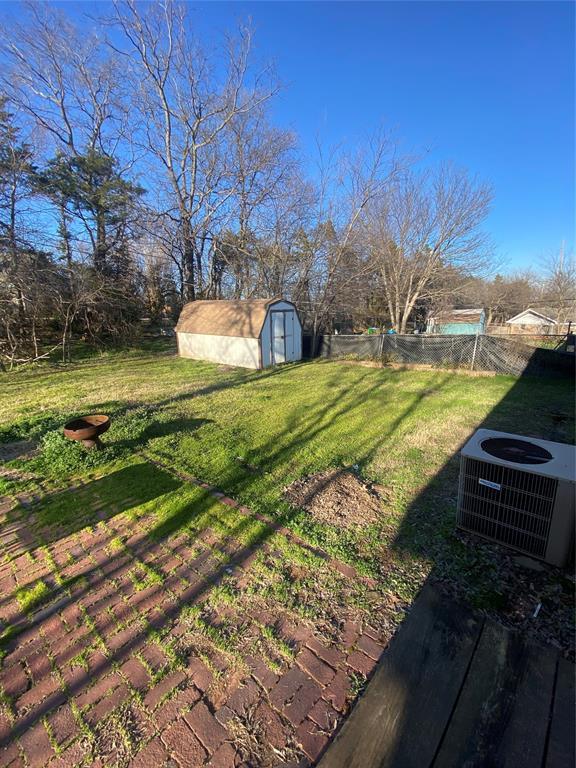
[[278, 338], [289, 335]]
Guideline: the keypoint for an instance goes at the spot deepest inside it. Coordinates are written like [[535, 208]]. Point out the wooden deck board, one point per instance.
[[562, 742], [502, 715], [391, 727], [453, 691]]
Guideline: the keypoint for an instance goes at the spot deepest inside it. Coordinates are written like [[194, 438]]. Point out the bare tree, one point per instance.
[[334, 262], [502, 296], [228, 212], [559, 285], [17, 255], [188, 107], [67, 82], [264, 167], [424, 223]]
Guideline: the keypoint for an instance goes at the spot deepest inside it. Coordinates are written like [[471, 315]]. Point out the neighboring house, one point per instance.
[[254, 333], [531, 321], [456, 321]]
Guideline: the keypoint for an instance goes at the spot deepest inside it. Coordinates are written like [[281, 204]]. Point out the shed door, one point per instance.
[[289, 335], [278, 338]]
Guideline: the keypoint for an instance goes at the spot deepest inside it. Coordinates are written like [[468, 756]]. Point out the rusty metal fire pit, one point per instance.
[[87, 429]]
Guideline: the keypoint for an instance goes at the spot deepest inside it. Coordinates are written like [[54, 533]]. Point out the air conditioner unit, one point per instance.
[[520, 492]]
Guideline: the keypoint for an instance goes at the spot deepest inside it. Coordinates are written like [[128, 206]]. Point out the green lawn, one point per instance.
[[252, 433]]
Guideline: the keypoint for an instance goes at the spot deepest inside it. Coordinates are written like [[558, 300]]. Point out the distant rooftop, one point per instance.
[[531, 313]]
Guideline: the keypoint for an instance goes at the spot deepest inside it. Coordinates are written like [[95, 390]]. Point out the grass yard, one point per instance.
[[207, 598]]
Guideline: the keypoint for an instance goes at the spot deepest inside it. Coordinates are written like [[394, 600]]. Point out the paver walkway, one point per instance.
[[127, 666]]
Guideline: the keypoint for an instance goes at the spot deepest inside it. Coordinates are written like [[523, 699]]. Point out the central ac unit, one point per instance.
[[519, 492]]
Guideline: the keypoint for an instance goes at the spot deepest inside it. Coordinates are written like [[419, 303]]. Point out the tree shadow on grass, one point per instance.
[[34, 427], [296, 434], [160, 429], [282, 449], [432, 707], [67, 512]]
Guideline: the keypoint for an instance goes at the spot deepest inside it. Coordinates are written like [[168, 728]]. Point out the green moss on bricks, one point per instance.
[[31, 597]]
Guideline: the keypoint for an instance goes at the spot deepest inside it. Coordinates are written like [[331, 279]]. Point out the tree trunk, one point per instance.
[[100, 251], [65, 234], [188, 255], [199, 280]]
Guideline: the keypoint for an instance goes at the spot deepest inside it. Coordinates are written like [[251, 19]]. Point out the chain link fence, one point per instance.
[[478, 353]]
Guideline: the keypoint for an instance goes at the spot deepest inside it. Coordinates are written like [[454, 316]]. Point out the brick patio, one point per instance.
[[110, 671]]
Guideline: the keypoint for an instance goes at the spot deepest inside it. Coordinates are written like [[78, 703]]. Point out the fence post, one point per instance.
[[474, 352], [381, 353]]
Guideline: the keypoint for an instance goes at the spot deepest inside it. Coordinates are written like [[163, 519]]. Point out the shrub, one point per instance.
[[59, 456]]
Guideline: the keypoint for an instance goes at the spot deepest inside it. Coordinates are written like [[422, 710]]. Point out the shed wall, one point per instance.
[[297, 338], [265, 342], [459, 328], [229, 350]]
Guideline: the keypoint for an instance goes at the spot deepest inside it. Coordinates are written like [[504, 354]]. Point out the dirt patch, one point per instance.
[[264, 739], [416, 367], [337, 497], [18, 450], [117, 738]]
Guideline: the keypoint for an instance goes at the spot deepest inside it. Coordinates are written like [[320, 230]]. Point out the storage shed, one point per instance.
[[254, 333], [466, 321]]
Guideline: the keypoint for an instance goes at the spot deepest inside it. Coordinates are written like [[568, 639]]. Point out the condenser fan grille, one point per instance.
[[507, 505], [518, 451]]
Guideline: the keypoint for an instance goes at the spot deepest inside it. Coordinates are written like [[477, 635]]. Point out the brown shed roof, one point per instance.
[[225, 318]]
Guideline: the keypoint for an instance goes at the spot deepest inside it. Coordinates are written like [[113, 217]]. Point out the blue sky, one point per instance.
[[488, 85]]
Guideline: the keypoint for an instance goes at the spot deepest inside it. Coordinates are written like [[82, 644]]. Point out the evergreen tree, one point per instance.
[[16, 174], [90, 188]]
